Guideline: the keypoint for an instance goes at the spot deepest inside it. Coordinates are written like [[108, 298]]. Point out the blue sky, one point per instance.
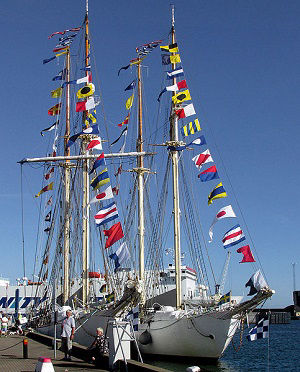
[[241, 61]]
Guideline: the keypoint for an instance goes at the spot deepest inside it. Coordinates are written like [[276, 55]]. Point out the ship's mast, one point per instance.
[[140, 178], [66, 251], [85, 201], [176, 210]]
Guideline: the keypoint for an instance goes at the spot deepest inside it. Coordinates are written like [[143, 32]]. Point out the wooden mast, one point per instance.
[[176, 209], [66, 251], [85, 201]]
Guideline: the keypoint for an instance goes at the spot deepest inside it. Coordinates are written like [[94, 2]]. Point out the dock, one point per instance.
[[11, 356]]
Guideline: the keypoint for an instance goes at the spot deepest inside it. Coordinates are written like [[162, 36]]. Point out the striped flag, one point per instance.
[[191, 128], [233, 236], [107, 214]]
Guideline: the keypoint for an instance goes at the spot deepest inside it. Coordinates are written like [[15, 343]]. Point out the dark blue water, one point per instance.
[[284, 353]]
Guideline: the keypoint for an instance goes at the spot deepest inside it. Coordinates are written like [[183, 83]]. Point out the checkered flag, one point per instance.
[[133, 316], [261, 330]]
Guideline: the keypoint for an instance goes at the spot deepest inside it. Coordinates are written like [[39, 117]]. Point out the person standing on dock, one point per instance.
[[67, 335]]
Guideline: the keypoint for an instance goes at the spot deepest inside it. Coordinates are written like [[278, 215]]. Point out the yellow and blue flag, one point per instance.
[[191, 128], [217, 193], [225, 298], [100, 180]]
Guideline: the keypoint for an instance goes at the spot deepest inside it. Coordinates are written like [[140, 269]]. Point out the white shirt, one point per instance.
[[67, 324]]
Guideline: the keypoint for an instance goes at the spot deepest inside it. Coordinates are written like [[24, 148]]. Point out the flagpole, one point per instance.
[[176, 209]]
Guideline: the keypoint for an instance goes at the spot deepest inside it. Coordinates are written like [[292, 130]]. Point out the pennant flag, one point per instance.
[[59, 48], [119, 171], [48, 217], [124, 132], [173, 88], [202, 159], [60, 76], [49, 174], [217, 193], [99, 161], [100, 180], [47, 229], [172, 48], [93, 129], [56, 93], [49, 202], [105, 195], [175, 73], [66, 38], [74, 29], [106, 214], [197, 141], [166, 59], [94, 144], [129, 102], [125, 122], [233, 236], [121, 255], [123, 68], [91, 118], [49, 129], [223, 213], [133, 316], [186, 111], [209, 174], [181, 97], [55, 110], [191, 128], [261, 330], [246, 251], [86, 91], [85, 105], [256, 283], [225, 298], [44, 189], [113, 234], [131, 85], [48, 60]]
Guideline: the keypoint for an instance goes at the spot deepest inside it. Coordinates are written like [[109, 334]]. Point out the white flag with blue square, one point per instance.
[[261, 330]]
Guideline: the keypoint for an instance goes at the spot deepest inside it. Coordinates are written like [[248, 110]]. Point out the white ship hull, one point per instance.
[[178, 334], [174, 333]]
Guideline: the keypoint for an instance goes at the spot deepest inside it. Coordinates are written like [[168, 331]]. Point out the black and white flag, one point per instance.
[[261, 330]]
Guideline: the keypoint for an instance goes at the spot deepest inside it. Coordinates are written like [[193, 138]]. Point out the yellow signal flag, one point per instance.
[[175, 58], [86, 91], [181, 97], [44, 189], [172, 48], [129, 102], [56, 93]]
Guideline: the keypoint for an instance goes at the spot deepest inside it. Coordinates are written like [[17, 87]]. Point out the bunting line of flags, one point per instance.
[[184, 109]]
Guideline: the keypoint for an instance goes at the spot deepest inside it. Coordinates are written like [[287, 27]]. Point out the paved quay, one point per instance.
[[11, 357]]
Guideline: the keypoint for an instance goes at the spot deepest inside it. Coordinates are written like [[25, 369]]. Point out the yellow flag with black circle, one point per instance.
[[56, 93], [181, 97], [86, 91], [129, 102]]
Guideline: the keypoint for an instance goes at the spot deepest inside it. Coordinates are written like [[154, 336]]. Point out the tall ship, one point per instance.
[[129, 205]]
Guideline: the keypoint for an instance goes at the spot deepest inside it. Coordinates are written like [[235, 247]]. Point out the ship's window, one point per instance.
[[172, 272], [183, 271]]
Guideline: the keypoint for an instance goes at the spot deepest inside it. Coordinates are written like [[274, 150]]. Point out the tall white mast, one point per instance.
[[176, 209], [86, 196]]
